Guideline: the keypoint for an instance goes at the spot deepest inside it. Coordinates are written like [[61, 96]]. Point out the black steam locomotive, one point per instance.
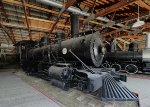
[[131, 61], [74, 63]]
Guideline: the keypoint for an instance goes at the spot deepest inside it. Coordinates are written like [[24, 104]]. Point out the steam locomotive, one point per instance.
[[74, 63], [131, 61]]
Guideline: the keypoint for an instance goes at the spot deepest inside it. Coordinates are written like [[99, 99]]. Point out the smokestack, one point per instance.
[[74, 24]]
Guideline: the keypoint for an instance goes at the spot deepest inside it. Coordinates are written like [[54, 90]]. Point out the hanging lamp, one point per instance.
[[138, 23]]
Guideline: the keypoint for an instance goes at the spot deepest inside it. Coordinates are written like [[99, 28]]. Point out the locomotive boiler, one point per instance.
[[74, 63], [89, 49]]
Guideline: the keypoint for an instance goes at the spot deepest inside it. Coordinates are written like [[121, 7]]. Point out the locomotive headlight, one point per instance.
[[64, 51]]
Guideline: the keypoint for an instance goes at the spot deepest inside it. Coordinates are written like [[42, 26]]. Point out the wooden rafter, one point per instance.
[[10, 37], [48, 21], [120, 10], [67, 20], [131, 36], [24, 27], [7, 20], [114, 7], [115, 31], [26, 17], [47, 10], [133, 17], [144, 5]]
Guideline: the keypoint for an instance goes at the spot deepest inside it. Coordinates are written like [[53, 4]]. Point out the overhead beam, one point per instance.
[[14, 2], [109, 33], [120, 46], [131, 36], [122, 40], [114, 7], [116, 31], [143, 4], [6, 17], [130, 18], [12, 39], [26, 17], [32, 28], [46, 21], [142, 14], [24, 27], [47, 10], [146, 25]]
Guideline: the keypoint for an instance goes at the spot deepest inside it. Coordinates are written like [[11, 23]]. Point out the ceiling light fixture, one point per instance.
[[138, 23]]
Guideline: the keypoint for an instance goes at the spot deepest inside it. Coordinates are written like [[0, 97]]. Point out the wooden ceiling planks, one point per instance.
[[124, 11], [143, 4], [11, 35], [114, 7]]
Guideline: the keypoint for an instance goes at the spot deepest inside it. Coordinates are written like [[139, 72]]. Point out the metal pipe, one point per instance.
[[74, 10], [74, 24]]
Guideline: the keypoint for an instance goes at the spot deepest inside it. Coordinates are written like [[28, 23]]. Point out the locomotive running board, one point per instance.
[[113, 90]]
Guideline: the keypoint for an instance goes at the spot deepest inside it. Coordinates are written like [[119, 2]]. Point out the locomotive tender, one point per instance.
[[74, 63]]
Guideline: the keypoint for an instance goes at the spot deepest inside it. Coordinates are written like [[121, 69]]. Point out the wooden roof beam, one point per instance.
[[12, 39], [131, 36], [114, 7], [23, 27], [26, 17], [143, 4], [32, 28], [46, 10], [134, 17], [6, 16], [48, 21], [116, 31], [122, 40]]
